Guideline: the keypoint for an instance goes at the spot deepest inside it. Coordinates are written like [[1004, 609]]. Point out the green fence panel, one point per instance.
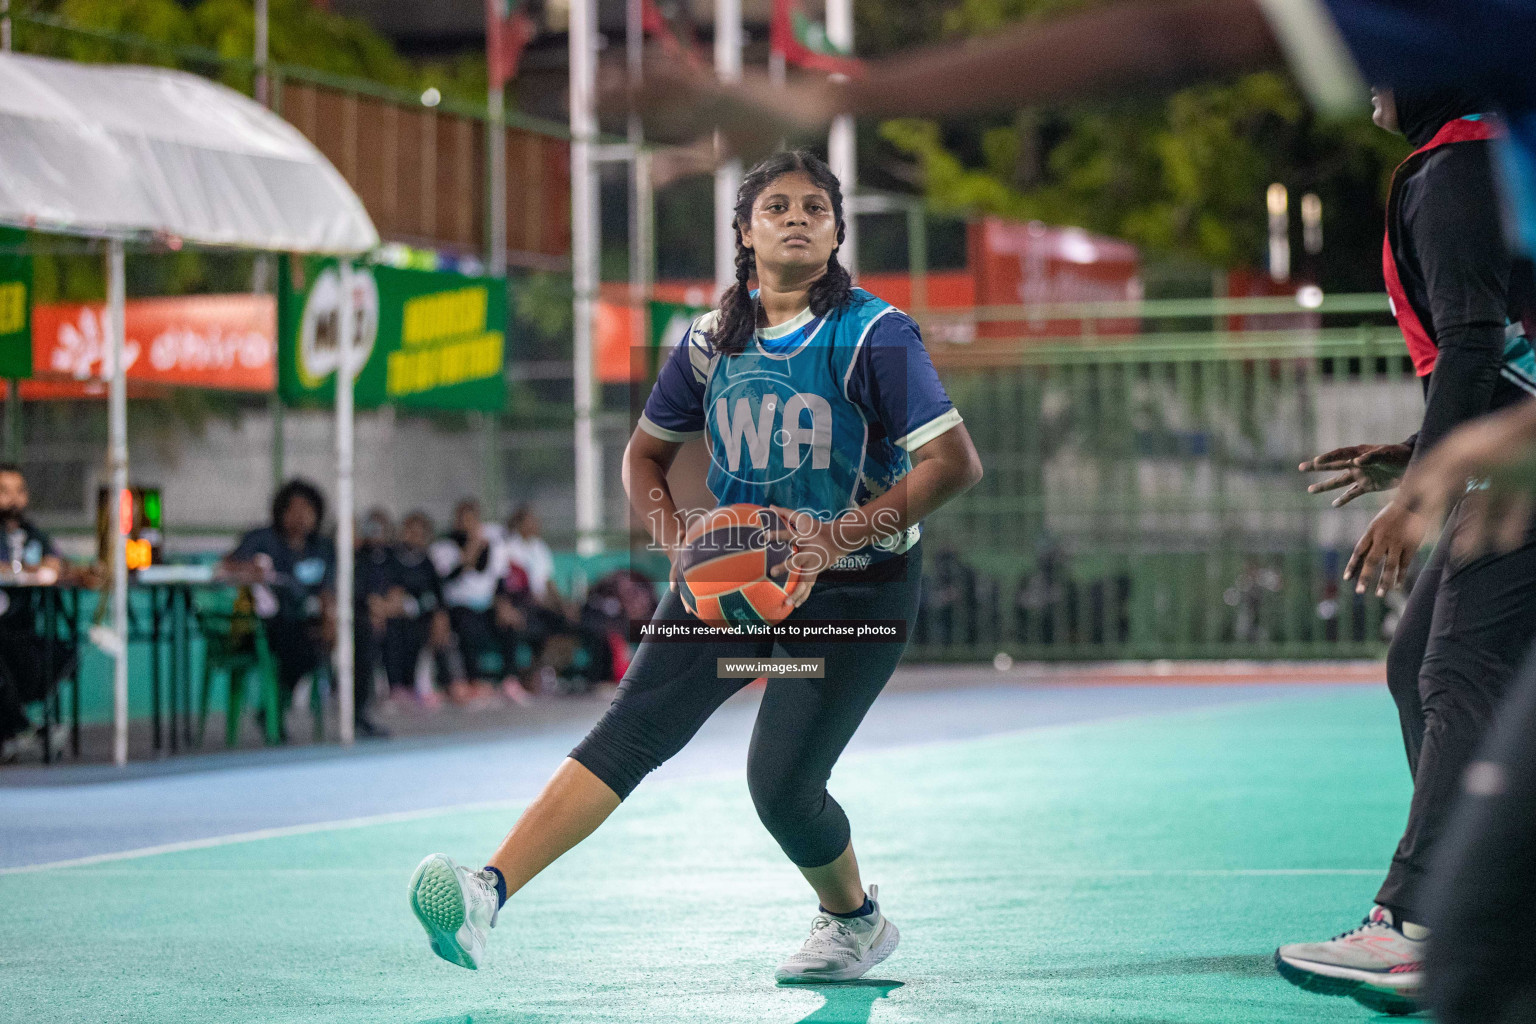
[[1142, 499]]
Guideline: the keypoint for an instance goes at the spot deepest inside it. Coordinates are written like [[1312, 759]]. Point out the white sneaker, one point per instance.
[[841, 948], [456, 906], [1375, 964]]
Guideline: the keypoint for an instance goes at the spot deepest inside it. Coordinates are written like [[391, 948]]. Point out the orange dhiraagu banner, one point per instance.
[[227, 342], [620, 331]]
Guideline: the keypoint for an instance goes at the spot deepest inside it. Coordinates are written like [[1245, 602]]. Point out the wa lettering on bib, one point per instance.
[[818, 414]]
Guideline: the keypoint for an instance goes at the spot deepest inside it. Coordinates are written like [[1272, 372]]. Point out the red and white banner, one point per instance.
[[1033, 265], [226, 342]]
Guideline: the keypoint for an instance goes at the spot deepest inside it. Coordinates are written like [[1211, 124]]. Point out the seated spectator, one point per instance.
[[415, 619], [546, 614], [293, 569], [622, 597], [469, 560], [513, 610], [374, 573], [23, 549]]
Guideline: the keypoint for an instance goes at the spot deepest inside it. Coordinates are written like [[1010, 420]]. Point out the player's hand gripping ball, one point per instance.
[[726, 561]]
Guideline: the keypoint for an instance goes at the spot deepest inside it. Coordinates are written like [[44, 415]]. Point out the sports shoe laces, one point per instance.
[[828, 931], [490, 884], [1363, 926]]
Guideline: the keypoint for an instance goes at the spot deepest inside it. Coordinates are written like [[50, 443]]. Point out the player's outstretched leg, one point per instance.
[[842, 947], [456, 906], [1377, 964]]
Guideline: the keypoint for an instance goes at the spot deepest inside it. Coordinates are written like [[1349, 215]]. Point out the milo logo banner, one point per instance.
[[669, 322], [420, 339], [15, 305]]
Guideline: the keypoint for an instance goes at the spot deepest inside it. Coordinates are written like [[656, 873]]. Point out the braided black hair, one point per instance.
[[738, 312]]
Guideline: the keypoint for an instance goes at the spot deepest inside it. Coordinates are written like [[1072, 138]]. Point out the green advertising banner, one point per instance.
[[669, 322], [425, 340], [15, 304]]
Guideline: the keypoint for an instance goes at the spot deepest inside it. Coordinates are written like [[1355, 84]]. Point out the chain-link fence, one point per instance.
[[1142, 497]]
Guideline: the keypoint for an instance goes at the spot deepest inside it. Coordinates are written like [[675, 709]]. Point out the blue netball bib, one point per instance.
[[818, 414]]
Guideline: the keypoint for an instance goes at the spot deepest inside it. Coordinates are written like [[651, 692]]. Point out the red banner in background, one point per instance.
[[1252, 283], [82, 390], [1034, 264], [224, 342]]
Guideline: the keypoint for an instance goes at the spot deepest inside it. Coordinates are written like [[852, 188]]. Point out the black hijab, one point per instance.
[[1421, 114]]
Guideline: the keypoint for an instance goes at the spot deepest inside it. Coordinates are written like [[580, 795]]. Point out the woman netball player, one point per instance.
[[817, 399]]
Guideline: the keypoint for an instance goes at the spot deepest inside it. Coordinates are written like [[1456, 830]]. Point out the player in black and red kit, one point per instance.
[[1467, 623], [1333, 46]]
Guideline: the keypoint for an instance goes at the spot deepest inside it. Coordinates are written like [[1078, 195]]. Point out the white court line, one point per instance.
[[1028, 873], [262, 833], [209, 842], [1196, 872]]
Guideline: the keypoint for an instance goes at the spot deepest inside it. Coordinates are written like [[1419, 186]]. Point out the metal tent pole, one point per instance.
[[841, 143], [347, 331], [584, 272], [118, 447], [728, 174]]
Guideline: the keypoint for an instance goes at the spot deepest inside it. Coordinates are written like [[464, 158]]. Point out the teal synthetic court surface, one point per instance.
[[1136, 868]]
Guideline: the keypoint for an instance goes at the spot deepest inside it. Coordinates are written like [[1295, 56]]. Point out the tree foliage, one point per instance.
[[300, 33], [1183, 175]]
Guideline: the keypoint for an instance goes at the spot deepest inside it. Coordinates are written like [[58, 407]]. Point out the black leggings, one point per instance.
[[1481, 965], [802, 726], [1463, 633]]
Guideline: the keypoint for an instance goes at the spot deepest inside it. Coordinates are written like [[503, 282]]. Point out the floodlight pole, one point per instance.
[[262, 274], [346, 329], [841, 143], [117, 425], [728, 175], [584, 271], [642, 199], [262, 20], [5, 26], [496, 260]]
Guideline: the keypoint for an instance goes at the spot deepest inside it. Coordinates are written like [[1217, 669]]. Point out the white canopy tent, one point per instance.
[[124, 153]]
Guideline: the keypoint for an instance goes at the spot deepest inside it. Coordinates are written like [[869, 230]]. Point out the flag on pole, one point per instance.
[[508, 30], [804, 43], [655, 24]]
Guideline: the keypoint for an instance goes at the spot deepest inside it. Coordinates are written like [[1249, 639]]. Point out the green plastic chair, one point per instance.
[[237, 650]]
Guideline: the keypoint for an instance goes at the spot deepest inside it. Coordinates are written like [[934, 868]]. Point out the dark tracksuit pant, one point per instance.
[[1465, 629], [21, 674], [404, 639], [803, 725], [296, 645], [1481, 897]]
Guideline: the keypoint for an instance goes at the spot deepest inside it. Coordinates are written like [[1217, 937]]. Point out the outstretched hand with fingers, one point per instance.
[[1386, 549], [1362, 468]]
